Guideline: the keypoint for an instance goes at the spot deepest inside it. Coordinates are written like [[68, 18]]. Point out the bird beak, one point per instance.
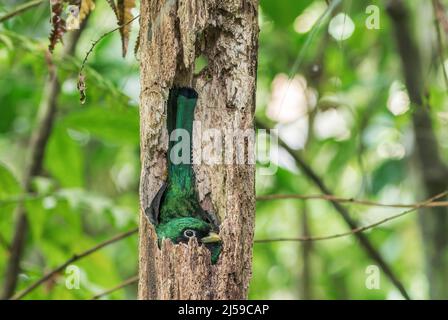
[[211, 238]]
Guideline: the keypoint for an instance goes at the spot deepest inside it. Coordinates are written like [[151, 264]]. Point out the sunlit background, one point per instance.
[[332, 88]]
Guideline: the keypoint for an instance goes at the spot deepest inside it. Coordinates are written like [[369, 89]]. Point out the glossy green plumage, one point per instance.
[[180, 198], [180, 209]]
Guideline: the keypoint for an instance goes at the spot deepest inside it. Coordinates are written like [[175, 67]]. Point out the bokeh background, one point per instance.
[[335, 92]]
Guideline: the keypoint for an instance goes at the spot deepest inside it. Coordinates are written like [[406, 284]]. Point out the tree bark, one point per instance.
[[173, 35], [434, 173]]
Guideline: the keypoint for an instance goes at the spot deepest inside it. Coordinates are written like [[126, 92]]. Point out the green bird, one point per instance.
[[175, 211]]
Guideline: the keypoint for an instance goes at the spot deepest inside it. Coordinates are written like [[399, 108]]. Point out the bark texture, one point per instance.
[[173, 35]]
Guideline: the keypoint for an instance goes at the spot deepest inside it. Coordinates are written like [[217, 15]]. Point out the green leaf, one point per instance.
[[283, 12], [64, 159], [36, 214], [9, 186], [110, 125]]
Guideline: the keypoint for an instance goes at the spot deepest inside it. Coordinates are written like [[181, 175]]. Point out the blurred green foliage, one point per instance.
[[89, 189]]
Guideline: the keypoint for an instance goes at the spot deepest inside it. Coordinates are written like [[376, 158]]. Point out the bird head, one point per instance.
[[181, 230]]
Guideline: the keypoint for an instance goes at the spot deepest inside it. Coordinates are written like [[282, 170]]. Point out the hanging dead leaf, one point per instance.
[[58, 24], [87, 6], [124, 8], [137, 45], [82, 88], [114, 8]]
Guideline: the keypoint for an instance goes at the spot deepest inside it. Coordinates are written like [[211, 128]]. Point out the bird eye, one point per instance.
[[189, 233]]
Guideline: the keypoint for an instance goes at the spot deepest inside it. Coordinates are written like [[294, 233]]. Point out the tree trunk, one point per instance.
[[173, 35]]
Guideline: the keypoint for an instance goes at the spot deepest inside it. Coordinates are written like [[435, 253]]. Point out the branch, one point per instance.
[[81, 77], [330, 197], [352, 224], [94, 43], [20, 9], [127, 234], [37, 146], [270, 197], [74, 258], [125, 283], [22, 198], [356, 230]]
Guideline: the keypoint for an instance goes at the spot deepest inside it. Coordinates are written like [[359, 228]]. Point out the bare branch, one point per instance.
[[81, 77], [125, 283], [329, 197], [272, 197], [356, 230], [122, 236], [5, 244]]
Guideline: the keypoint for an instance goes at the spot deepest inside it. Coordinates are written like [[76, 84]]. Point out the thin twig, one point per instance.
[[356, 230], [433, 172], [125, 283], [305, 283], [271, 197], [94, 43], [74, 258], [329, 197], [20, 9]]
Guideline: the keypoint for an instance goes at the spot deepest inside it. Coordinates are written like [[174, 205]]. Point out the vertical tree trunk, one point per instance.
[[173, 35]]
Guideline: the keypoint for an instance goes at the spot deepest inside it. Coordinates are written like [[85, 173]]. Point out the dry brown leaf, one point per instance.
[[87, 6], [114, 8], [82, 88], [137, 44]]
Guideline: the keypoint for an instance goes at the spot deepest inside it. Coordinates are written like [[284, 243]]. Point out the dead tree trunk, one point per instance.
[[173, 35]]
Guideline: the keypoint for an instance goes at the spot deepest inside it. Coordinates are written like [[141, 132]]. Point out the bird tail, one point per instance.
[[180, 117]]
